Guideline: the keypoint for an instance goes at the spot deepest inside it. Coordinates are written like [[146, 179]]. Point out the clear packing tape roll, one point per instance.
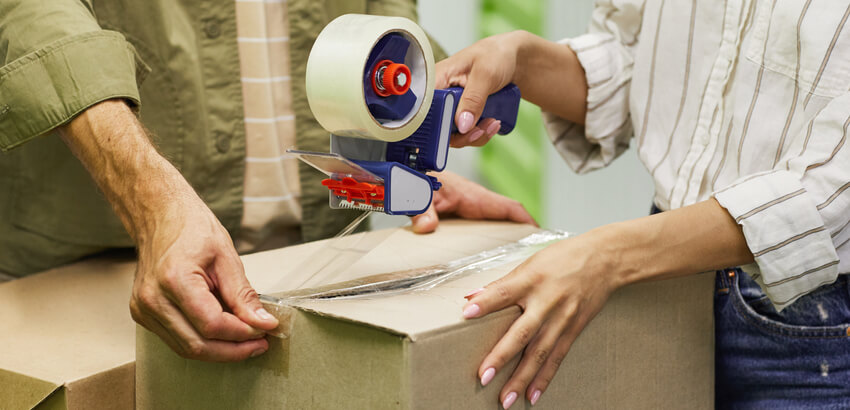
[[336, 71]]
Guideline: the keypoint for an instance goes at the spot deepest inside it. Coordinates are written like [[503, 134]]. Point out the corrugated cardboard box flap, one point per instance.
[[402, 313], [24, 392], [68, 328]]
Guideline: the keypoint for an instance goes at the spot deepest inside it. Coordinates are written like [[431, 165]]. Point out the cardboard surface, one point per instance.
[[67, 339], [651, 347]]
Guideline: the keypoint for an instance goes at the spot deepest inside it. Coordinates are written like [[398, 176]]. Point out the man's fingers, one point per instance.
[[480, 83], [238, 295], [191, 293], [426, 222], [154, 326], [500, 207], [181, 336], [518, 213]]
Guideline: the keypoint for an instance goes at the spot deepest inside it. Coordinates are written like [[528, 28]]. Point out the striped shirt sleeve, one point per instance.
[[606, 54], [795, 216]]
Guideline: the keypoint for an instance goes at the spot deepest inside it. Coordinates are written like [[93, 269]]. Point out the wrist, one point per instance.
[[621, 248], [155, 202], [523, 43], [550, 75], [144, 189]]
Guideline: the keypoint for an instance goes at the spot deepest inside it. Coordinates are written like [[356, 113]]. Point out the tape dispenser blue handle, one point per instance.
[[502, 105]]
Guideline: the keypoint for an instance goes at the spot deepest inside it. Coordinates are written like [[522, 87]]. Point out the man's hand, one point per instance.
[[463, 198], [191, 290], [190, 287]]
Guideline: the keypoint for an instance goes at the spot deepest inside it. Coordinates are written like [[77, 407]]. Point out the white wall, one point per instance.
[[572, 202]]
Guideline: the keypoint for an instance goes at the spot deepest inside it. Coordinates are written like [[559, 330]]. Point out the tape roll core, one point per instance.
[[337, 66]]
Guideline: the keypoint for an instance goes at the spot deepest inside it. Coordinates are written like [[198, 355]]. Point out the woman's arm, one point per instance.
[[550, 76], [562, 288]]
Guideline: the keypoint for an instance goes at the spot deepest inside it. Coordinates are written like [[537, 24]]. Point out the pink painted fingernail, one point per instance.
[[464, 122], [494, 128], [488, 375], [475, 136], [264, 314], [473, 293], [257, 352], [509, 400], [471, 311], [535, 396]]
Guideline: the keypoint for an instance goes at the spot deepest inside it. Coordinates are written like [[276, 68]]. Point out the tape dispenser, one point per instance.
[[370, 83]]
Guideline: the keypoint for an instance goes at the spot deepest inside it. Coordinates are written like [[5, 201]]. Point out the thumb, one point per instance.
[[238, 295], [480, 84], [426, 222]]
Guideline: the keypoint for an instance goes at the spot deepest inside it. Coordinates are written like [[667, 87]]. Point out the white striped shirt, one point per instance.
[[747, 101]]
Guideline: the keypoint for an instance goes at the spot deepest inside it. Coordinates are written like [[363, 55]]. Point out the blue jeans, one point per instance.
[[798, 358]]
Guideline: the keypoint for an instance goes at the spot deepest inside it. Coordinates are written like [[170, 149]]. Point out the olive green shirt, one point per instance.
[[177, 62]]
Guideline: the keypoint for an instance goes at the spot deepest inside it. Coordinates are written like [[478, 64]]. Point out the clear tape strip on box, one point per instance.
[[420, 279], [334, 257]]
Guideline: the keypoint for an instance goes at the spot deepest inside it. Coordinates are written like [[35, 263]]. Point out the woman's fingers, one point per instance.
[[498, 295], [536, 354], [479, 135], [547, 372], [558, 300], [482, 81], [510, 345]]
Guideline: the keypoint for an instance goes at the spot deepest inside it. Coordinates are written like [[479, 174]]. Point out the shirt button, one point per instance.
[[212, 29], [222, 142]]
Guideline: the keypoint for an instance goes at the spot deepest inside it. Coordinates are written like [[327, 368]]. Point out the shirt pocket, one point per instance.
[[814, 49]]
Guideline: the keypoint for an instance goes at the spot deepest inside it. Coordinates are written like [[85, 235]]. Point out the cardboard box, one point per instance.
[[66, 338], [651, 347]]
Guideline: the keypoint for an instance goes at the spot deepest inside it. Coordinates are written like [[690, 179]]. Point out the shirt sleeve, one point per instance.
[[55, 62], [606, 53], [795, 217]]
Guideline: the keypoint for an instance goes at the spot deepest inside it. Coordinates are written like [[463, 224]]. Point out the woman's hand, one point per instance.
[[560, 290], [548, 74], [482, 69]]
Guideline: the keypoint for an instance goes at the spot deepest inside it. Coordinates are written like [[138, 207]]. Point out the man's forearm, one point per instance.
[[550, 75], [114, 147], [689, 240]]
